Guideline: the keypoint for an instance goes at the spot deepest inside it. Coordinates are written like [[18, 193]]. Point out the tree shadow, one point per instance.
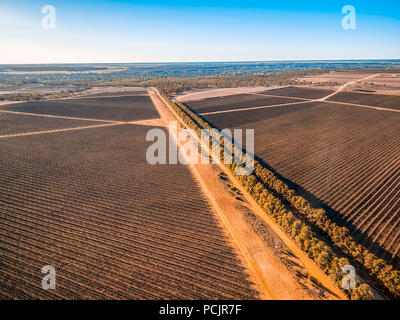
[[358, 235]]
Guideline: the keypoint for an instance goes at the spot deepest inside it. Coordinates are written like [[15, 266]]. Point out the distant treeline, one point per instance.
[[22, 97], [47, 68], [173, 86], [147, 71], [40, 96]]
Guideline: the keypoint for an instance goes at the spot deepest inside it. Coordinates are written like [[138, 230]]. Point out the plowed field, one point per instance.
[[113, 226], [346, 157]]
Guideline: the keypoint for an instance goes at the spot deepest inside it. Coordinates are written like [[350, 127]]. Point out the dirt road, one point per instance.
[[347, 85], [312, 268]]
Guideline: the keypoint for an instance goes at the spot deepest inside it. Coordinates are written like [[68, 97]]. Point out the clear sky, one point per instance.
[[219, 30]]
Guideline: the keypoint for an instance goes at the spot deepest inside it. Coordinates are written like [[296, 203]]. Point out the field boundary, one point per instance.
[[310, 265], [348, 84], [266, 180], [54, 116], [254, 108], [58, 130], [251, 264], [300, 102]]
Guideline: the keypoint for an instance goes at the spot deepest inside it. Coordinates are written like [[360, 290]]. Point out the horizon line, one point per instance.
[[210, 61]]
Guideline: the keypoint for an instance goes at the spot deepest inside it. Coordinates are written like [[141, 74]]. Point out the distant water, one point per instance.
[[183, 69]]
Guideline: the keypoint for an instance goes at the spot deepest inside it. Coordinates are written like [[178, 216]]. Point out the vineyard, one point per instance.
[[123, 108], [236, 101], [19, 123], [113, 226], [375, 100], [126, 93], [297, 92], [345, 156], [342, 158]]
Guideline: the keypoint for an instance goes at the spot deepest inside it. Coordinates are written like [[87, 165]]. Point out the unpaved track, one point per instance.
[[348, 84], [297, 103], [314, 270], [305, 100], [150, 123], [57, 130], [91, 205], [169, 115], [254, 108], [59, 117], [106, 123], [310, 265]]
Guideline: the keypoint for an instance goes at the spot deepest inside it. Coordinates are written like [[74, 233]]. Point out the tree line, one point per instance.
[[296, 216], [173, 86]]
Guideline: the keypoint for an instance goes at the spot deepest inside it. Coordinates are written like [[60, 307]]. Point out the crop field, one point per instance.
[[118, 93], [126, 108], [346, 158], [236, 102], [297, 92], [243, 117], [113, 226], [374, 100], [18, 123]]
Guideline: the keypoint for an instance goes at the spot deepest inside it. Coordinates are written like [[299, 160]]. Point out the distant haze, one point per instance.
[[220, 30]]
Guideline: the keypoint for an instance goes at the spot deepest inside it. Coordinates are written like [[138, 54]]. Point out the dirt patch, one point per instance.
[[286, 256]]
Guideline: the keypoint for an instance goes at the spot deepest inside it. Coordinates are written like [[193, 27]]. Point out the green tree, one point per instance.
[[362, 292]]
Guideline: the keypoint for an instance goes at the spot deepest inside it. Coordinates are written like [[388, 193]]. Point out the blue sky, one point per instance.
[[219, 30]]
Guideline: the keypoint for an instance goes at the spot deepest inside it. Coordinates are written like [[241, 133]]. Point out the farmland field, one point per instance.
[[131, 92], [344, 158], [126, 108], [236, 101], [306, 93], [113, 226], [19, 123], [375, 100]]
